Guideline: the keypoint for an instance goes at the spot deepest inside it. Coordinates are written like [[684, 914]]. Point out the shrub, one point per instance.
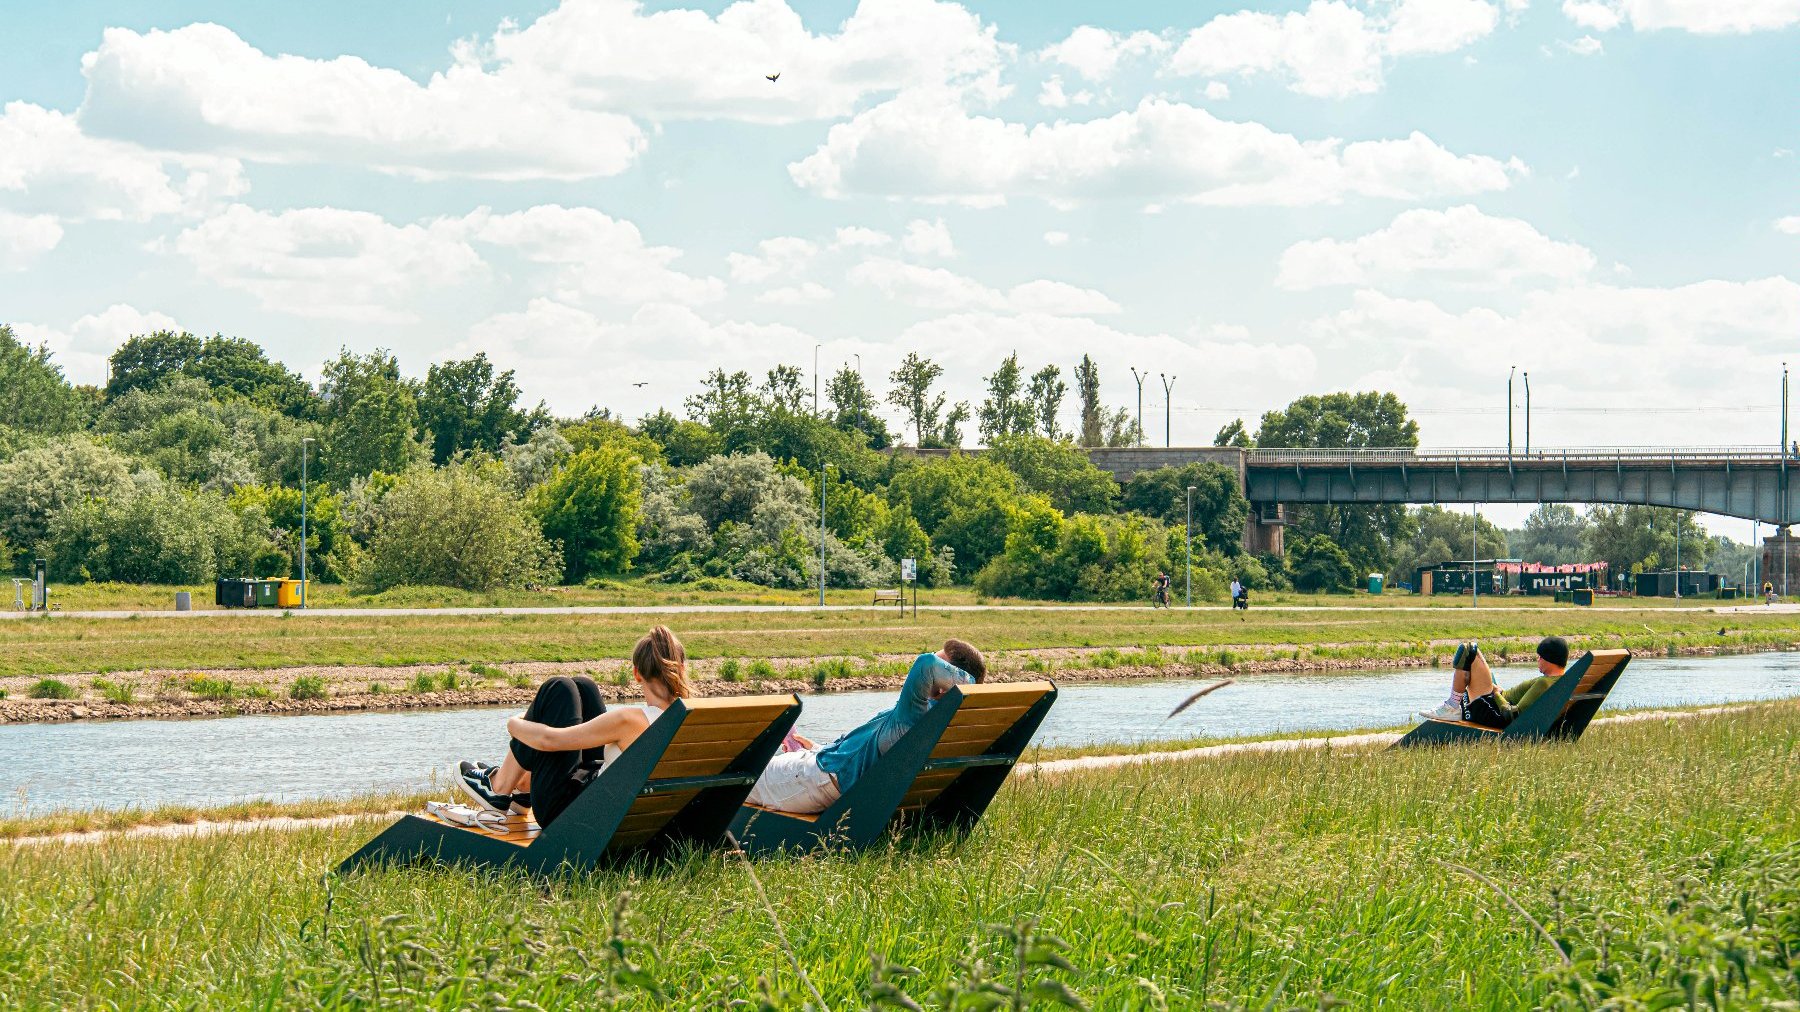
[[160, 533], [730, 670], [457, 526], [212, 688], [450, 681], [308, 687], [481, 670], [622, 677], [52, 688], [116, 692], [36, 484], [836, 667], [591, 505], [377, 689], [424, 681], [2, 693], [521, 680], [1036, 665], [761, 670]]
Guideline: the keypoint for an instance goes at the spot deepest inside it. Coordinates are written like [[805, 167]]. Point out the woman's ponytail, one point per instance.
[[660, 657]]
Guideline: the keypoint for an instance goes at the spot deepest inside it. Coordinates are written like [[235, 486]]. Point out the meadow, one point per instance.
[[1653, 864]]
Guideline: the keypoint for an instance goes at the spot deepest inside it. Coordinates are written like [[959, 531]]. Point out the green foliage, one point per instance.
[[1046, 397], [203, 687], [34, 396], [52, 688], [1006, 411], [1082, 558], [1093, 414], [324, 524], [154, 532], [1233, 433], [684, 442], [458, 526], [423, 682], [147, 361], [730, 670], [371, 417], [1346, 421], [518, 680], [854, 408], [1219, 507], [962, 502], [1316, 563], [37, 484], [1633, 538], [591, 504], [1060, 471], [308, 687], [1442, 535], [463, 405], [760, 670], [115, 692]]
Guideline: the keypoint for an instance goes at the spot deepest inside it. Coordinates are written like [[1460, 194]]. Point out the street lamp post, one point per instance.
[[1509, 379], [1140, 400], [1474, 556], [1168, 383], [1190, 546], [1677, 555], [822, 469], [1527, 414], [303, 491], [816, 379]]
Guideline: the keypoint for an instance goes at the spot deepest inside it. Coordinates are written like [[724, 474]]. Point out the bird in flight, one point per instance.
[[774, 77], [643, 384]]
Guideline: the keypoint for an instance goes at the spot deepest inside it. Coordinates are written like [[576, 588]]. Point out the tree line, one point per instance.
[[186, 465]]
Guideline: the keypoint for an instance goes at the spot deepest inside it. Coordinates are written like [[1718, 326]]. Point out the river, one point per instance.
[[144, 763]]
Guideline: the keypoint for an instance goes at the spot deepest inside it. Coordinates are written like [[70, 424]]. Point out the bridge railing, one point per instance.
[[1766, 454]]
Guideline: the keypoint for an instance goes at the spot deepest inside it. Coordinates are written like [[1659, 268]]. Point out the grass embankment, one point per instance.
[[66, 645], [1656, 855]]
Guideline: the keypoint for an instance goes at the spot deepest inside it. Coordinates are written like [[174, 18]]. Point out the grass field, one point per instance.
[[66, 644], [1661, 858]]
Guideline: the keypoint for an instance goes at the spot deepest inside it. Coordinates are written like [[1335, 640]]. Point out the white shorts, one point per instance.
[[793, 782]]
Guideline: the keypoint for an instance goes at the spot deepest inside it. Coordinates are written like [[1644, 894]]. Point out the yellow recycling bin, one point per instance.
[[288, 594]]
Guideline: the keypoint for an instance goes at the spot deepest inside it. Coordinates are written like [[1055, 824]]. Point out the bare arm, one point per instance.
[[614, 727]]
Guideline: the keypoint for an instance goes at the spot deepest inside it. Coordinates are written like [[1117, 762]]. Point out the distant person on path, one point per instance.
[[1768, 592], [567, 735], [808, 779], [1237, 592], [1160, 590], [1475, 698]]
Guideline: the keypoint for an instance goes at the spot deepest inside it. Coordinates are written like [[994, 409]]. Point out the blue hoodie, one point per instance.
[[850, 757]]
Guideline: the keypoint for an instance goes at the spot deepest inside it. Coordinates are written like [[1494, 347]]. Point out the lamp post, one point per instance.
[[1168, 383], [823, 467], [1140, 400], [1509, 379], [1190, 546], [816, 379], [303, 492], [1474, 556], [1677, 555], [1527, 414]]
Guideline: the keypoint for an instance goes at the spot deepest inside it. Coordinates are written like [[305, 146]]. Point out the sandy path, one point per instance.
[[1052, 767]]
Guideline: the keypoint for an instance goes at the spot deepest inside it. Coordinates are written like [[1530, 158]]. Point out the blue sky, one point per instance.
[[1264, 201]]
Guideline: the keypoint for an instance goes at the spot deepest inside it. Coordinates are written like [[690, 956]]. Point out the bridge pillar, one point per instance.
[[1263, 529], [1780, 562]]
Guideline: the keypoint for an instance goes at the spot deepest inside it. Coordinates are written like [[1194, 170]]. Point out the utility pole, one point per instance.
[[816, 380], [1527, 414], [303, 492], [822, 468], [1781, 531], [1474, 556], [1509, 379], [1190, 546], [1140, 400], [1168, 383], [1678, 555]]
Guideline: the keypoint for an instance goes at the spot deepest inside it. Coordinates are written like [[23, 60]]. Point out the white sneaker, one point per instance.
[[1449, 709]]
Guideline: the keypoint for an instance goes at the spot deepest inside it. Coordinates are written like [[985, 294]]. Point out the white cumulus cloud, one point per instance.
[[1158, 152], [595, 256], [940, 289], [82, 348], [928, 238], [780, 256], [1789, 224], [25, 237], [49, 164], [1095, 53], [1701, 17], [1461, 245]]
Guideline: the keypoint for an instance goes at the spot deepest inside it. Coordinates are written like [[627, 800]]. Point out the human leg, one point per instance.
[[1484, 706], [793, 782], [560, 702]]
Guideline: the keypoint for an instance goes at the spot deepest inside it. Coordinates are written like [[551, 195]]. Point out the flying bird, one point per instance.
[[774, 77], [643, 384], [1191, 700]]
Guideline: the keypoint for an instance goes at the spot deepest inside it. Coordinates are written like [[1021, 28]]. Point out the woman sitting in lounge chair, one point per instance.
[[1475, 698], [567, 734]]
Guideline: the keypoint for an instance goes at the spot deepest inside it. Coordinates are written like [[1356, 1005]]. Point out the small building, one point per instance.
[[1661, 583], [1538, 578], [1490, 576]]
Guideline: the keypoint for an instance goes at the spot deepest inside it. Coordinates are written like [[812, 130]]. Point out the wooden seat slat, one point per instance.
[[984, 697], [721, 748], [667, 770], [802, 816], [727, 711], [974, 732], [1465, 723]]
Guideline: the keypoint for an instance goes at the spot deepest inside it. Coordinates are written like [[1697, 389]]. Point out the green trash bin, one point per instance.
[[1375, 582], [1585, 598], [268, 593]]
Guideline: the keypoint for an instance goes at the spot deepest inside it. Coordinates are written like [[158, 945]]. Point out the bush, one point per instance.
[[591, 505], [450, 681], [37, 484], [730, 670], [520, 680], [1318, 564], [761, 670], [51, 688], [213, 688], [308, 687], [424, 681], [377, 689], [458, 526], [158, 533], [480, 670], [1082, 558], [826, 670], [116, 692]]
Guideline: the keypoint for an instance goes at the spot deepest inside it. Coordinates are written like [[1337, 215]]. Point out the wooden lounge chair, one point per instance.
[[1562, 712], [940, 775], [681, 781]]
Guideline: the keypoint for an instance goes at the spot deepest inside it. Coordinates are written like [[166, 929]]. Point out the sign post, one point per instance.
[[909, 573]]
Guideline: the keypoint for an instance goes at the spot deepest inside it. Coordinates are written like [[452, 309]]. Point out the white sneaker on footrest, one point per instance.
[[1449, 709]]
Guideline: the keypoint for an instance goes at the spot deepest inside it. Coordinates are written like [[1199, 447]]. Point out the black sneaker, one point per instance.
[[473, 780]]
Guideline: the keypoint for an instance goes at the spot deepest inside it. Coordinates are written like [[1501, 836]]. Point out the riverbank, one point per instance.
[[1289, 878], [317, 689]]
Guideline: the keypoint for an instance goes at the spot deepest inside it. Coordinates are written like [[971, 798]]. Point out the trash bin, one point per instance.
[[182, 601], [1585, 598], [1375, 581], [288, 596], [268, 593], [234, 593]]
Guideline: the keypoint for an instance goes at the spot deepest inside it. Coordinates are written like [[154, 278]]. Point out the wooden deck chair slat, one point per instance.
[[724, 748], [898, 789], [620, 813]]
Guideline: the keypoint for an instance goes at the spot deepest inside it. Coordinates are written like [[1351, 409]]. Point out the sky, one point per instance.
[[1260, 202]]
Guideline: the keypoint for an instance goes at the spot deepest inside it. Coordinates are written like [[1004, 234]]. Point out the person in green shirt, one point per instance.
[[1475, 698]]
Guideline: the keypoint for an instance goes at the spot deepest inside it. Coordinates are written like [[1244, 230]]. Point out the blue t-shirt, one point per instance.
[[850, 757]]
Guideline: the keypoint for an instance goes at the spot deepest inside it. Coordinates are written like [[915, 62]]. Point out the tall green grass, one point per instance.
[[1657, 856]]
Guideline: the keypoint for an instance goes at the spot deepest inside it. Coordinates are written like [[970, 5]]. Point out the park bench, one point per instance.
[[889, 597], [940, 775], [681, 781], [1562, 712]]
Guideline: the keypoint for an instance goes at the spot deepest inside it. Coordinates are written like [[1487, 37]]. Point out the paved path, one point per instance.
[[750, 609], [1048, 768]]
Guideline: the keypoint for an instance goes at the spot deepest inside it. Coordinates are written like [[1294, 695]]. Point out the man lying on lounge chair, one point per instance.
[[809, 779], [1475, 698]]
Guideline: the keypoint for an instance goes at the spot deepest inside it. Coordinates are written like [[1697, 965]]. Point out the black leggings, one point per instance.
[[561, 702]]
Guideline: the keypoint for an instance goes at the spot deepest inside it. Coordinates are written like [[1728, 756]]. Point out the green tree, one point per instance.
[[853, 408], [1093, 416], [1442, 535], [961, 502], [950, 437], [1122, 429], [155, 532], [1342, 421], [1553, 534], [1220, 508], [1061, 472], [34, 396], [371, 417], [458, 526], [1634, 538], [146, 361], [1046, 396], [684, 442], [1083, 557], [591, 505], [1316, 563], [235, 367], [39, 483], [1233, 433], [1006, 411], [464, 405], [281, 505], [911, 393], [783, 390]]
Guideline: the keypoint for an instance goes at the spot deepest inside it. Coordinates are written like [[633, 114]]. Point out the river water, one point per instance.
[[144, 763]]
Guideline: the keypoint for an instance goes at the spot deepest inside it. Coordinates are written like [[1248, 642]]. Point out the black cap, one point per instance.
[[1554, 649]]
